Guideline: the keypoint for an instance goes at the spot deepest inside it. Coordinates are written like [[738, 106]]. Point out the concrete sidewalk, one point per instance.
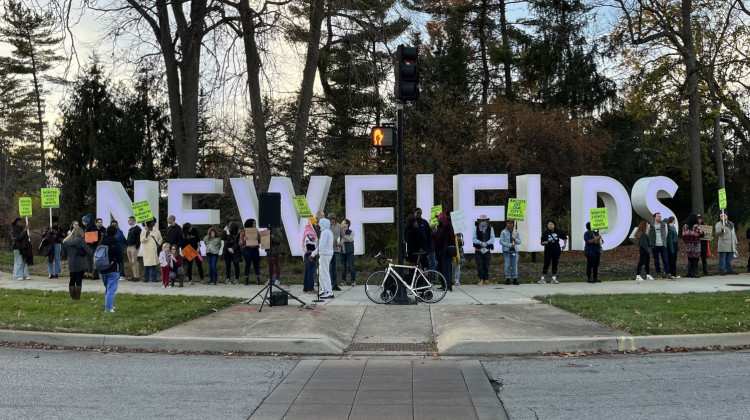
[[472, 320]]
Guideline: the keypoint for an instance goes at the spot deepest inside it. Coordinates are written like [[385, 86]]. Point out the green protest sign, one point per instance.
[[434, 211], [599, 218], [300, 201], [24, 206], [142, 211], [722, 198], [50, 198], [516, 209]]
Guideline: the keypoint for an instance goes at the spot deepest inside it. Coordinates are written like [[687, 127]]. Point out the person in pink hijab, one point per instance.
[[309, 242]]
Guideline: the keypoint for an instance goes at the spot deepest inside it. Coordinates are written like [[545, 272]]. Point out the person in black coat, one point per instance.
[[190, 236], [78, 254], [174, 232], [552, 249]]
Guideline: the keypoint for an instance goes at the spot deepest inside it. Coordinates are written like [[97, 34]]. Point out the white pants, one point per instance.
[[324, 275]]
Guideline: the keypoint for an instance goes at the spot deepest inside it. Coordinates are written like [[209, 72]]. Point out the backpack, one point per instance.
[[101, 258]]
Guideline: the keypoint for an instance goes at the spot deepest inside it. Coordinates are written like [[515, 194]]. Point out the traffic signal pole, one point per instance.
[[401, 297]]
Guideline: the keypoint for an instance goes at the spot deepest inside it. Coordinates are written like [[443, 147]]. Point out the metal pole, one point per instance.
[[401, 298]]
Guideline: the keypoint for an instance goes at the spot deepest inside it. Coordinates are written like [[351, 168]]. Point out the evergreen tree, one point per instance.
[[34, 52]]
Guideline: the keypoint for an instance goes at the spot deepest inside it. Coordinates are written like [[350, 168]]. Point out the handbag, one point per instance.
[[452, 251]]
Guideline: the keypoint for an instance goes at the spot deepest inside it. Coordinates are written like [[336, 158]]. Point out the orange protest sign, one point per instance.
[[265, 239], [92, 237], [189, 253]]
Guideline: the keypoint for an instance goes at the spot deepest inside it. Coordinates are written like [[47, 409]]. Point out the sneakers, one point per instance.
[[227, 282], [554, 279], [276, 283], [336, 288], [649, 277], [670, 277], [543, 280], [515, 281], [507, 282], [235, 281], [111, 310], [638, 278]]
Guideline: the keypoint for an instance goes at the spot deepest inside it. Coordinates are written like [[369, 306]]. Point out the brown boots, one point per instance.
[[75, 292]]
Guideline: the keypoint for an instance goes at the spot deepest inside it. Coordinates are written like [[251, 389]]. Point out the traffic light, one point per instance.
[[382, 136], [407, 74]]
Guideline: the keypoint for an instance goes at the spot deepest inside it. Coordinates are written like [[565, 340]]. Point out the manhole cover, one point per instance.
[[739, 285], [390, 347]]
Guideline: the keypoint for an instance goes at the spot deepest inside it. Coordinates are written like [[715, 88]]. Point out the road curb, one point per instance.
[[305, 346]]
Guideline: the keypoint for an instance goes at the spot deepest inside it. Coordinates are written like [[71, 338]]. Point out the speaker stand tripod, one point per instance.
[[268, 289]]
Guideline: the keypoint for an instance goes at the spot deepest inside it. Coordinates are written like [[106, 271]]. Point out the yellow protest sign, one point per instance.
[[599, 218], [300, 201], [50, 198], [142, 211], [24, 206], [722, 198], [516, 209], [434, 211]]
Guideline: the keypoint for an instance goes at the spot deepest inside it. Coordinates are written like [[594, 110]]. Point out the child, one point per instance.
[[309, 242], [644, 250], [177, 272], [347, 252], [166, 265], [459, 259]]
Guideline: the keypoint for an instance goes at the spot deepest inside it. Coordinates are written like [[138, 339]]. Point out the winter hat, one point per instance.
[[86, 218]]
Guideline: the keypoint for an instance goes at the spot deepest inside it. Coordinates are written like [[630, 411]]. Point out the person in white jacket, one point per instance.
[[325, 250]]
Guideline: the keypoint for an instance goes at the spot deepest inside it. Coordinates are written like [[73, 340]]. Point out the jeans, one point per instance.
[[725, 261], [150, 270], [213, 272], [483, 264], [511, 264], [334, 268], [252, 256], [309, 279], [110, 281], [230, 259], [54, 266], [20, 266], [348, 263], [643, 259], [457, 273], [661, 251]]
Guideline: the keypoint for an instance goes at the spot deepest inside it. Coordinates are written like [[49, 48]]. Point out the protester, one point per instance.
[[692, 235], [424, 227], [231, 251], [459, 259], [705, 243], [445, 248], [510, 238], [251, 251], [77, 252], [593, 252], [23, 252], [151, 242], [165, 261], [133, 243], [644, 251], [727, 243], [111, 275], [673, 245], [190, 236], [309, 241], [747, 235], [174, 232], [483, 240], [658, 233], [347, 252], [53, 238], [325, 250], [120, 241], [273, 256], [552, 249], [98, 227], [213, 249], [72, 226], [338, 233], [177, 272]]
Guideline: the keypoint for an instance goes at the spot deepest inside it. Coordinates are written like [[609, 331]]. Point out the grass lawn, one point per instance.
[[662, 314], [36, 310]]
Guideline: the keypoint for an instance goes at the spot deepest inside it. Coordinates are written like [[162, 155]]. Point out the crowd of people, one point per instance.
[[328, 244]]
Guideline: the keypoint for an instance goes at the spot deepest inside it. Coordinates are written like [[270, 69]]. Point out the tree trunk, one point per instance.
[[506, 51], [694, 120], [299, 142], [262, 170], [718, 146]]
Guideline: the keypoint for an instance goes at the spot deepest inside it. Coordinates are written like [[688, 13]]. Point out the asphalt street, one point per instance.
[[699, 385]]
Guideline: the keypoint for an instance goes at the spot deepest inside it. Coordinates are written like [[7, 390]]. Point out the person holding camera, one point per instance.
[[483, 240], [593, 252]]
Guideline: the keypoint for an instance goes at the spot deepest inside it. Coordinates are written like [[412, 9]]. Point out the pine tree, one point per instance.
[[34, 53]]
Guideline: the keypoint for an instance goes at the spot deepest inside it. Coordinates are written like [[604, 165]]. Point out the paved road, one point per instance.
[[36, 384], [701, 385]]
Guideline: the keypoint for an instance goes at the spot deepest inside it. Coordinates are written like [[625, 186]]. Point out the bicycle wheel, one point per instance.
[[380, 289], [431, 291]]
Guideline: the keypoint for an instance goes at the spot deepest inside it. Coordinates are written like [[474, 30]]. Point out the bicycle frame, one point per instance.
[[417, 271]]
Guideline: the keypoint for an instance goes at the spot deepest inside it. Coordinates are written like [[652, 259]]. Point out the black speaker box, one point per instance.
[[278, 298], [269, 214]]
